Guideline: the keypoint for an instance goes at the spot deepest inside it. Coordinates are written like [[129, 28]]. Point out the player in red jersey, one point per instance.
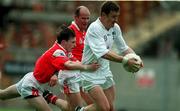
[[79, 26], [74, 92], [30, 87]]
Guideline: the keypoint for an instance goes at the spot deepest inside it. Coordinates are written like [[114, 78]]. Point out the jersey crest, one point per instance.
[[80, 41], [105, 37], [113, 33], [70, 55]]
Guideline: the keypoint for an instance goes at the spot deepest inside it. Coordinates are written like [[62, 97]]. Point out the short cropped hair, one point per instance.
[[65, 33], [109, 6]]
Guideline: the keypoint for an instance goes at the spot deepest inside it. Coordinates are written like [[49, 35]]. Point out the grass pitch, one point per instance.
[[11, 109]]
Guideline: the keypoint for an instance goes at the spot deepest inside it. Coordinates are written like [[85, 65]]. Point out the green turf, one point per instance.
[[11, 109]]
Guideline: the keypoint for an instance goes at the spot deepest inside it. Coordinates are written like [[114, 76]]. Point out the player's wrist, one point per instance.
[[125, 60], [85, 67]]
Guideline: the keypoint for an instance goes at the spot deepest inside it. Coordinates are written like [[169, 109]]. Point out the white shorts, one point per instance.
[[88, 85], [29, 87], [69, 84]]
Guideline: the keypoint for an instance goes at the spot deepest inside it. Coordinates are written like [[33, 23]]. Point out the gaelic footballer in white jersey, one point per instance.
[[98, 42]]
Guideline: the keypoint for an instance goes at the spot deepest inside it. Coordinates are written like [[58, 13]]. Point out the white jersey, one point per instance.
[[98, 42]]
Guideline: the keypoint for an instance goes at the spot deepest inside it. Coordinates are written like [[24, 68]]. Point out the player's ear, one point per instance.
[[76, 18], [103, 14]]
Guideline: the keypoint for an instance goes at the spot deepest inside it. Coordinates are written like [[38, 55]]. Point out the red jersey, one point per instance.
[[50, 62], [80, 36]]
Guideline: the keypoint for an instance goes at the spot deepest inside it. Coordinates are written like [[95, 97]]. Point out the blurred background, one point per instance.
[[151, 28]]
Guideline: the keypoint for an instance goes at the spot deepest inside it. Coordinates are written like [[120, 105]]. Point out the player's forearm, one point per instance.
[[129, 50], [112, 56], [75, 65]]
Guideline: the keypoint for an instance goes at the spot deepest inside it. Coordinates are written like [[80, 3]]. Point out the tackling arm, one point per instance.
[[71, 65]]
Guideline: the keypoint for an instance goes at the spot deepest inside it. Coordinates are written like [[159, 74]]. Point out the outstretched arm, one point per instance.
[[71, 65]]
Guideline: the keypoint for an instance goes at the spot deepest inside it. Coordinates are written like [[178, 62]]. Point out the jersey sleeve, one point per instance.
[[59, 59], [119, 40], [96, 42]]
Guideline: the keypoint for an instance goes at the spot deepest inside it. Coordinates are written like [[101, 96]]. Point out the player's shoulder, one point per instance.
[[116, 26], [94, 25], [57, 51], [73, 27]]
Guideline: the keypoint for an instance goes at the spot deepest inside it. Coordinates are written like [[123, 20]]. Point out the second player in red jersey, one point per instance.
[[80, 35], [79, 26]]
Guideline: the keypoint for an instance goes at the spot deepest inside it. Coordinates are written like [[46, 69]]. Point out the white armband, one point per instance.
[[125, 60]]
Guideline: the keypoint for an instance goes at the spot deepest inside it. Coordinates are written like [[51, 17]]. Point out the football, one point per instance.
[[138, 60]]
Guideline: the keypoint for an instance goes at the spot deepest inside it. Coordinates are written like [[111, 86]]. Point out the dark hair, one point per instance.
[[109, 6], [65, 33], [77, 11]]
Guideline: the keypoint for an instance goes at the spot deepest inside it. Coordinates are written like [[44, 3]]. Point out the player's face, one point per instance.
[[70, 44], [111, 19], [83, 20]]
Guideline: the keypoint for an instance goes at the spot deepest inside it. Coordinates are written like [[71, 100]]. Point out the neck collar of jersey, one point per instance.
[[99, 21], [74, 23]]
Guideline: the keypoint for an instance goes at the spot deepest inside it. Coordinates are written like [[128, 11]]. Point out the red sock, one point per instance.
[[52, 99]]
